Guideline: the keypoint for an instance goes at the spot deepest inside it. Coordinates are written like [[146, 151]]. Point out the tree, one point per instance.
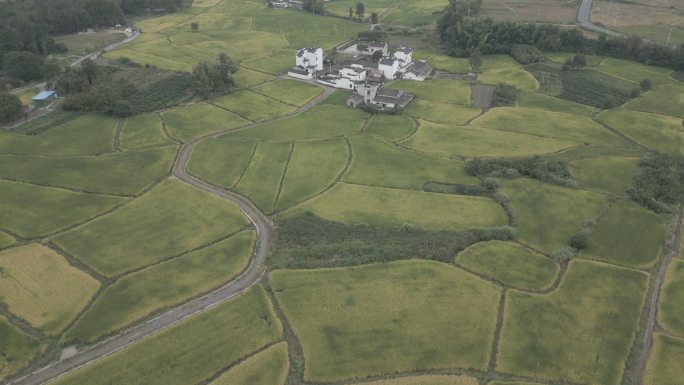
[[645, 84], [360, 9], [374, 18], [576, 62], [314, 6], [211, 78], [51, 69], [351, 12], [89, 69], [475, 60], [194, 26], [23, 65], [10, 106]]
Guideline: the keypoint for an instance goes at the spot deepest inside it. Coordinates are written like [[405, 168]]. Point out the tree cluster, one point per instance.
[[314, 6], [576, 62], [27, 66], [462, 35], [535, 167], [527, 54], [658, 184], [10, 106], [214, 78], [505, 95]]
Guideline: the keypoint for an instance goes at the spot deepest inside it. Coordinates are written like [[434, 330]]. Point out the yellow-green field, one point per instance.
[[657, 132], [143, 131], [41, 287], [670, 312], [407, 324], [664, 363], [426, 380], [666, 99], [613, 174], [16, 349], [268, 367]]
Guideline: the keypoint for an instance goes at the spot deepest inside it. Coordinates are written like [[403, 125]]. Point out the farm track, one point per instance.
[[255, 271]]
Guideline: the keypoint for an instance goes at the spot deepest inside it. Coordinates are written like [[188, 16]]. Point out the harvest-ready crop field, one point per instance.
[[443, 245]]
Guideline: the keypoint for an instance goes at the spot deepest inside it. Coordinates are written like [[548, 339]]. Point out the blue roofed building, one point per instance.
[[43, 98]]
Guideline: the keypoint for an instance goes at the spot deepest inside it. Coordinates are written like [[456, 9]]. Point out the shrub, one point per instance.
[[490, 184], [527, 54], [505, 95], [375, 35], [10, 106], [635, 92], [645, 84], [580, 240], [564, 254], [458, 189]]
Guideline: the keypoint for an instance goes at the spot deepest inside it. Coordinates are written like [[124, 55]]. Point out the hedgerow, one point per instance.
[[536, 167]]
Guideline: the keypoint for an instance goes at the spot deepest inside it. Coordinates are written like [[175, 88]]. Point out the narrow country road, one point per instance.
[[254, 272], [583, 18]]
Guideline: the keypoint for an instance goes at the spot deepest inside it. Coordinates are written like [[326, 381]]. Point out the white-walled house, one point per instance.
[[311, 58], [389, 67], [418, 70], [354, 72], [404, 54]]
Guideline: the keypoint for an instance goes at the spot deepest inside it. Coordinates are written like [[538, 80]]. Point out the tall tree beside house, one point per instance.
[[374, 18], [475, 60], [360, 9]]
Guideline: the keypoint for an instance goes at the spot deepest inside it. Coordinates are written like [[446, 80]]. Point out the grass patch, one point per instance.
[[613, 174], [426, 380], [41, 287], [221, 162], [135, 296], [392, 207], [533, 99], [307, 241], [444, 62], [515, 76], [664, 363], [466, 141], [169, 220], [391, 127], [670, 311], [574, 334], [657, 132], [320, 122], [627, 235], [246, 78], [142, 132], [189, 122], [253, 106], [83, 43], [31, 211], [408, 324], [289, 91], [548, 124], [6, 240], [561, 57], [268, 367], [591, 151], [191, 351], [511, 264], [549, 215], [379, 163], [262, 178], [16, 349], [439, 112], [118, 173], [88, 134], [313, 166], [635, 72], [665, 100], [445, 91]]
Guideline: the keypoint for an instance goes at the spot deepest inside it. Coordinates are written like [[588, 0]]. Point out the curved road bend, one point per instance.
[[254, 272], [583, 18]]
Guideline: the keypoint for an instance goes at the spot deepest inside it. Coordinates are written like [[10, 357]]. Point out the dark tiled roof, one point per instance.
[[388, 61], [388, 92], [299, 70], [405, 49], [378, 44]]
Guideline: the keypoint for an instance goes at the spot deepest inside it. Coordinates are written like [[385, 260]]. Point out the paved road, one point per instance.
[[583, 18], [251, 276]]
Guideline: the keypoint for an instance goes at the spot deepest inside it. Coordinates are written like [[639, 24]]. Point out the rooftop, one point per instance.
[[42, 95], [387, 61], [405, 49]]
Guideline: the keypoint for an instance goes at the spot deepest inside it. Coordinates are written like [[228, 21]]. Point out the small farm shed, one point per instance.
[[43, 98]]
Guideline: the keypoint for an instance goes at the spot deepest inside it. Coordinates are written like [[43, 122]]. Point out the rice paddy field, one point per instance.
[[98, 234]]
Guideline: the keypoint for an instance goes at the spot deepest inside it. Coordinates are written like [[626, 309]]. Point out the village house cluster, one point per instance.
[[365, 77]]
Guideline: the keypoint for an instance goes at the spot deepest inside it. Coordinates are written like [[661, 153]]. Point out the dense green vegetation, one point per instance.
[[659, 183], [16, 348], [307, 241], [545, 170]]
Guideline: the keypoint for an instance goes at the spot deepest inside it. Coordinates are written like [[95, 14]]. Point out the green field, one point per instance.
[[185, 123], [670, 312], [440, 112], [88, 134], [253, 106], [16, 348], [221, 162], [30, 211], [116, 173], [171, 219], [263, 176], [82, 43], [320, 122], [169, 283], [561, 57], [313, 166], [613, 174], [386, 318], [426, 380], [41, 287], [510, 264], [379, 163], [268, 367], [574, 334], [445, 91], [627, 235], [636, 72], [466, 141], [443, 62], [143, 131], [534, 99], [391, 127], [6, 240], [191, 351], [548, 124], [289, 91], [657, 132], [515, 76], [665, 361], [393, 207], [666, 99], [549, 215]]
